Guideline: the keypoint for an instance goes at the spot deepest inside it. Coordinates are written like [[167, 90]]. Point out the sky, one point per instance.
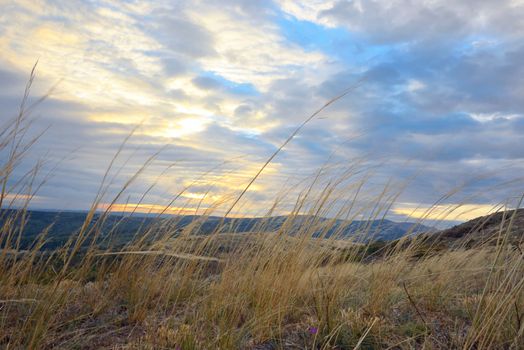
[[436, 100]]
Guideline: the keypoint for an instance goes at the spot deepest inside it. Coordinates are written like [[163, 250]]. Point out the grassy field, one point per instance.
[[260, 290]]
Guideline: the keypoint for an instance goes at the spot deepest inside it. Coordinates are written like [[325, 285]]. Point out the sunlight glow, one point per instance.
[[451, 212], [147, 209], [185, 127]]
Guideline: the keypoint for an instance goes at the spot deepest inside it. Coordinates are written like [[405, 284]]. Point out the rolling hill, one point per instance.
[[117, 230], [485, 229]]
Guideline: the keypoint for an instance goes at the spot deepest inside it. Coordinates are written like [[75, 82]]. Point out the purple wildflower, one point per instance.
[[312, 330]]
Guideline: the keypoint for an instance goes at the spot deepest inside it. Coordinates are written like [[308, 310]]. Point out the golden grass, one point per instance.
[[259, 290]]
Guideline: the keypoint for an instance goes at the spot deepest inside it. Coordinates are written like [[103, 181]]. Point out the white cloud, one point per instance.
[[255, 55], [488, 117], [414, 85], [92, 55], [308, 10]]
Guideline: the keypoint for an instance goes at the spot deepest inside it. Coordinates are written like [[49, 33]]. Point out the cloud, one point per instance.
[[206, 83], [439, 93], [407, 21], [183, 37]]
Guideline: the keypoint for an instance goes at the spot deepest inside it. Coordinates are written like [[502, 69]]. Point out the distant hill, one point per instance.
[[117, 229]]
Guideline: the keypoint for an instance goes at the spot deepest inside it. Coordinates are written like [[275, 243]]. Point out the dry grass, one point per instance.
[[258, 290]]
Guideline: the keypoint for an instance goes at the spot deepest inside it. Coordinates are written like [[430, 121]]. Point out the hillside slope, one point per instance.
[[486, 229]]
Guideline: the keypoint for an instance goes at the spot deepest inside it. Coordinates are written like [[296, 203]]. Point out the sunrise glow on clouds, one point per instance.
[[226, 82]]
